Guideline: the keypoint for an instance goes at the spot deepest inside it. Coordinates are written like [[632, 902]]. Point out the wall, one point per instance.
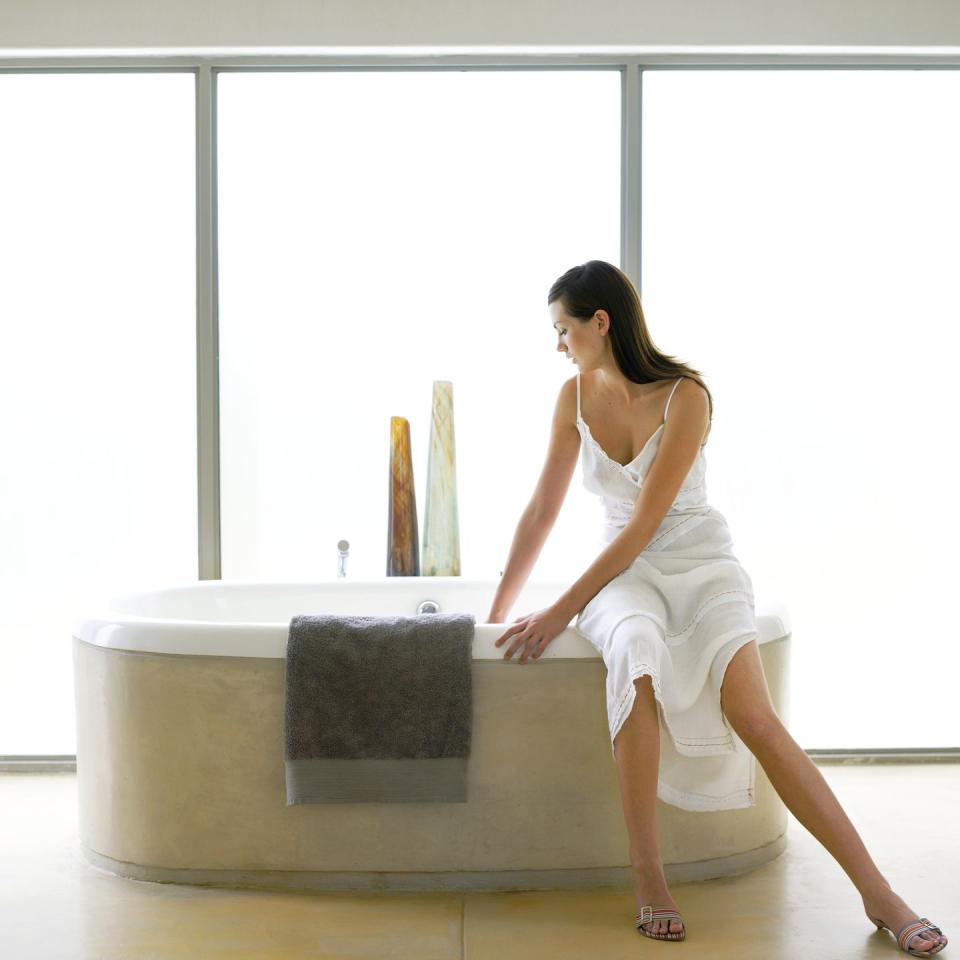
[[192, 26]]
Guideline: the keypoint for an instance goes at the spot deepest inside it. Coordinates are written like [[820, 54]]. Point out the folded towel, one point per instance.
[[378, 709]]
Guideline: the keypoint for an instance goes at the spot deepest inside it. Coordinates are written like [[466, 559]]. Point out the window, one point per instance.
[[800, 246], [379, 231], [98, 484]]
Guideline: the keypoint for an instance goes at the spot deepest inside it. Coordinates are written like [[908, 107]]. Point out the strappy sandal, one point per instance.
[[648, 914], [910, 931]]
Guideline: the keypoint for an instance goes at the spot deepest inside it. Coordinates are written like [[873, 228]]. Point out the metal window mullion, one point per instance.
[[208, 373], [631, 173]]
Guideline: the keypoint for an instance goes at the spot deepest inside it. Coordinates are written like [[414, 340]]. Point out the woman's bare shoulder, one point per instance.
[[691, 386], [567, 400], [691, 403]]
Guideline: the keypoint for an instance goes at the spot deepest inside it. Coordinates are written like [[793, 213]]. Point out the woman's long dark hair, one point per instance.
[[598, 285]]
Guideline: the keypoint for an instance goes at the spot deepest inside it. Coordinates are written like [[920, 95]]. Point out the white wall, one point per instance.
[[629, 25]]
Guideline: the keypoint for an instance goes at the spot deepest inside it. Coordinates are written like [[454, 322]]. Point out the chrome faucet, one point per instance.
[[343, 551]]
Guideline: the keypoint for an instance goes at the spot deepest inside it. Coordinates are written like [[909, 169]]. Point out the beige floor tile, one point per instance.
[[55, 906]]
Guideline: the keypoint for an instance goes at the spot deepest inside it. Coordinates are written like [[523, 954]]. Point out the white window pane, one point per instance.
[[800, 247], [378, 231], [97, 371]]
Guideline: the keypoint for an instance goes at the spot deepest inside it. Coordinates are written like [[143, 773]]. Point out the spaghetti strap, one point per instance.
[[578, 396], [672, 392]]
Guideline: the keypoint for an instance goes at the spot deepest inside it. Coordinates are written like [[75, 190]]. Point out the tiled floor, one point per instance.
[[55, 906]]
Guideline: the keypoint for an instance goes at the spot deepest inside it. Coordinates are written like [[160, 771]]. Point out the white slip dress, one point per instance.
[[678, 613]]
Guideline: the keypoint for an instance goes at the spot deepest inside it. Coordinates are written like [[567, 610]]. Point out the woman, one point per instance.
[[667, 603]]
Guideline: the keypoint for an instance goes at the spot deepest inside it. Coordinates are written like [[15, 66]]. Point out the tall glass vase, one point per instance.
[[441, 527], [403, 544]]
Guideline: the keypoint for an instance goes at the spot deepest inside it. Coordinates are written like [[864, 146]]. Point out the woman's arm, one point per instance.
[[544, 507], [531, 534], [615, 558]]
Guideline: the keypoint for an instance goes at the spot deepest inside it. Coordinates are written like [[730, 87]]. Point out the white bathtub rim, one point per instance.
[[121, 630]]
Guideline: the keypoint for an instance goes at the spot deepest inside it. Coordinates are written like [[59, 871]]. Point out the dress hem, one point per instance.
[[698, 747], [699, 803], [740, 799], [688, 746]]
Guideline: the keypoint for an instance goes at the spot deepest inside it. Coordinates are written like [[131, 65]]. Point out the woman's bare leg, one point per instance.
[[637, 752], [746, 703], [808, 796]]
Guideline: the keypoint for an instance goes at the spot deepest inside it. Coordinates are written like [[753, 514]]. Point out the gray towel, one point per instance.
[[378, 709]]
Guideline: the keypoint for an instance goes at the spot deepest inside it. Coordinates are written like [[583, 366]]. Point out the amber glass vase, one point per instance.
[[403, 543]]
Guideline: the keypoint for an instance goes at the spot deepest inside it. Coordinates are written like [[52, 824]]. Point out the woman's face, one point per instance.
[[575, 339]]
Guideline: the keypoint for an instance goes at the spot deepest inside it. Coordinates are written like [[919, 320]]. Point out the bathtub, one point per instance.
[[180, 772]]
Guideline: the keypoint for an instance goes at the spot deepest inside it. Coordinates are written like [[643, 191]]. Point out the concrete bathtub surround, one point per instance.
[[180, 767]]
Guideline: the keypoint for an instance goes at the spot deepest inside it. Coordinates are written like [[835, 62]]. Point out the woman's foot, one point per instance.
[[885, 906], [652, 890]]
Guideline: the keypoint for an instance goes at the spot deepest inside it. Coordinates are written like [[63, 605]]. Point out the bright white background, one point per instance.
[[800, 247], [381, 230], [98, 463]]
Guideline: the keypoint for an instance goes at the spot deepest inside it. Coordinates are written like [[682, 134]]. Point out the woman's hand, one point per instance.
[[534, 631]]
